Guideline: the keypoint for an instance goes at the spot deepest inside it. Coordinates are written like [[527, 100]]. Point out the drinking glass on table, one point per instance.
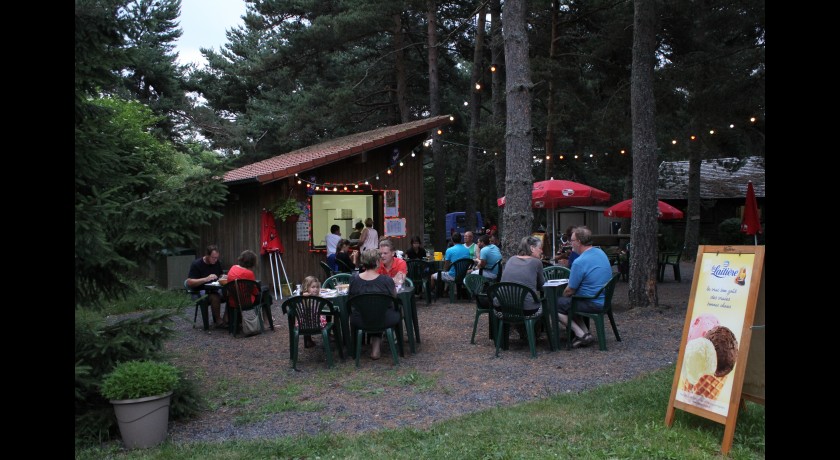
[[399, 278]]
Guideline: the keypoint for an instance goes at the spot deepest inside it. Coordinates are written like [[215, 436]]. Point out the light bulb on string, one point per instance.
[[440, 131], [345, 188], [389, 171], [752, 119], [357, 185], [693, 137], [335, 189], [367, 183], [623, 151], [412, 154], [492, 68], [576, 157], [401, 163], [299, 181], [477, 86], [673, 142], [466, 103], [308, 185], [377, 177], [712, 131], [451, 118], [548, 157], [731, 125], [561, 157]]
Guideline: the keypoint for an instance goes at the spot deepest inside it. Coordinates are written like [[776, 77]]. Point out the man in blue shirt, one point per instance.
[[488, 256], [590, 272], [456, 252]]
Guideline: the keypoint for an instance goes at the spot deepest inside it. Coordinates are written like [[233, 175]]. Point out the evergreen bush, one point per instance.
[[139, 379]]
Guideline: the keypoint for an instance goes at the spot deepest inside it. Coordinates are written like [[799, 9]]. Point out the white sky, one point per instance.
[[204, 23]]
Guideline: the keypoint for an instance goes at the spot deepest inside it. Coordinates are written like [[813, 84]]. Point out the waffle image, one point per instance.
[[708, 386]]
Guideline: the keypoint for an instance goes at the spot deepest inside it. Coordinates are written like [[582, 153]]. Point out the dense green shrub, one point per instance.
[[729, 232], [139, 379], [99, 347]]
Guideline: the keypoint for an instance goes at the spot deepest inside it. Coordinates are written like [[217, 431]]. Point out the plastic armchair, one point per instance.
[[498, 263], [556, 272], [475, 284], [371, 308], [202, 304], [607, 289], [418, 273], [340, 278], [304, 313], [672, 259], [328, 271], [343, 267], [462, 267], [507, 299], [248, 296]]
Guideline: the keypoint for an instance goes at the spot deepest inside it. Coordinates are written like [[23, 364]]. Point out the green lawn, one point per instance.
[[624, 420]]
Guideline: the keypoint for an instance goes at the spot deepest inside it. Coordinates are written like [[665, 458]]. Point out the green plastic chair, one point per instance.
[[672, 259], [462, 267], [307, 310], [556, 272], [507, 299], [341, 278], [475, 284], [417, 272], [372, 308], [598, 317]]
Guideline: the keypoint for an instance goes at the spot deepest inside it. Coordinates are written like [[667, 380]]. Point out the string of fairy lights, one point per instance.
[[365, 184]]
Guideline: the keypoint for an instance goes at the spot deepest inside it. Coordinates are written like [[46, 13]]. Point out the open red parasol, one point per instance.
[[750, 223], [554, 193], [625, 209], [270, 241]]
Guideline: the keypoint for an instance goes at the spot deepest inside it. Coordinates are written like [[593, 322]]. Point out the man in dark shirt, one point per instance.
[[205, 270]]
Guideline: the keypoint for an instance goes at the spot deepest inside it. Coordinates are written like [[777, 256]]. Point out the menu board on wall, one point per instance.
[[717, 335], [302, 230], [394, 227]]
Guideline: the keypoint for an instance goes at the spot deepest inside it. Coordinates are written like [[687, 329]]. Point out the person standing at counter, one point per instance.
[[207, 269], [356, 234], [369, 238], [332, 245]]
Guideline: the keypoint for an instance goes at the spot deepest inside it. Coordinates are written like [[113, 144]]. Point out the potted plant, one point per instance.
[[140, 392], [287, 210]]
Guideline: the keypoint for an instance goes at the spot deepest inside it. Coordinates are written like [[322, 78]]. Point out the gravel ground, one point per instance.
[[247, 379]]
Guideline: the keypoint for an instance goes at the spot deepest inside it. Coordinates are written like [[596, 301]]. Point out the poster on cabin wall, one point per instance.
[[392, 203], [394, 227], [302, 230]]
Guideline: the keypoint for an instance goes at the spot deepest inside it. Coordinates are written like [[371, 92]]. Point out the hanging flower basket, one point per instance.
[[287, 211]]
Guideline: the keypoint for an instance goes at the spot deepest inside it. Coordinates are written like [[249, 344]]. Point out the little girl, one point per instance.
[[311, 286]]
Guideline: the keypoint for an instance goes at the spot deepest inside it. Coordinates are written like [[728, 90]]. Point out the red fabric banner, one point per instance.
[[270, 241]]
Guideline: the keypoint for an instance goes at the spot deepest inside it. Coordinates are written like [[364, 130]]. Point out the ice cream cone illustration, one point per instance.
[[708, 361]]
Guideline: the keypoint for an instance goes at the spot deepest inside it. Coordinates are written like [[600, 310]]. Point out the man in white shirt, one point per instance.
[[332, 243]]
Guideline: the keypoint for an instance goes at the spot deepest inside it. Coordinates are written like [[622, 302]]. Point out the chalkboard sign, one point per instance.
[[716, 345]]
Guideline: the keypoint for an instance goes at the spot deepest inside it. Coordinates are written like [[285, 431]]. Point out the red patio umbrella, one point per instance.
[[750, 224], [554, 193], [625, 209]]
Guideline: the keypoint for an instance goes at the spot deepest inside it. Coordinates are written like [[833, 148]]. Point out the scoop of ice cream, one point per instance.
[[726, 346], [700, 359], [701, 325]]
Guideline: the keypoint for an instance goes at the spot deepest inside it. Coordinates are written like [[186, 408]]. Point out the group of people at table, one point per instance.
[[381, 271]]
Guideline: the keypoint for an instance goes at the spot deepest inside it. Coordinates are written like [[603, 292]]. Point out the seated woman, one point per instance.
[[245, 271], [347, 258], [416, 250], [526, 268], [367, 282]]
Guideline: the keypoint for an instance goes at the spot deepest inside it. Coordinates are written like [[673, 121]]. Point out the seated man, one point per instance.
[[488, 256], [455, 252], [205, 270], [590, 272], [389, 264]]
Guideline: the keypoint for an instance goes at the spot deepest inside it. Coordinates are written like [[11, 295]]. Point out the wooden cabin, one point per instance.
[[376, 174], [723, 191]]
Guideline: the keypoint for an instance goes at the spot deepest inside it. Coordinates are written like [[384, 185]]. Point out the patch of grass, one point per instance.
[[287, 399], [140, 297], [623, 420], [421, 382]]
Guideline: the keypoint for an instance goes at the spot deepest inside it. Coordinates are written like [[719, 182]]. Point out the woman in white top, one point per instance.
[[369, 238]]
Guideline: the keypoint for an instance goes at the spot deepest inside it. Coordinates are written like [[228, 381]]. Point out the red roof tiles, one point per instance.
[[291, 163]]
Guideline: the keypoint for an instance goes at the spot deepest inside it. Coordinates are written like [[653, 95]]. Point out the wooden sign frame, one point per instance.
[[727, 291]]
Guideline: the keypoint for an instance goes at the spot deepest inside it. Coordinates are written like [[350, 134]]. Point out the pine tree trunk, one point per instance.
[[439, 236], [399, 67], [498, 52], [518, 216], [471, 174], [643, 257]]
